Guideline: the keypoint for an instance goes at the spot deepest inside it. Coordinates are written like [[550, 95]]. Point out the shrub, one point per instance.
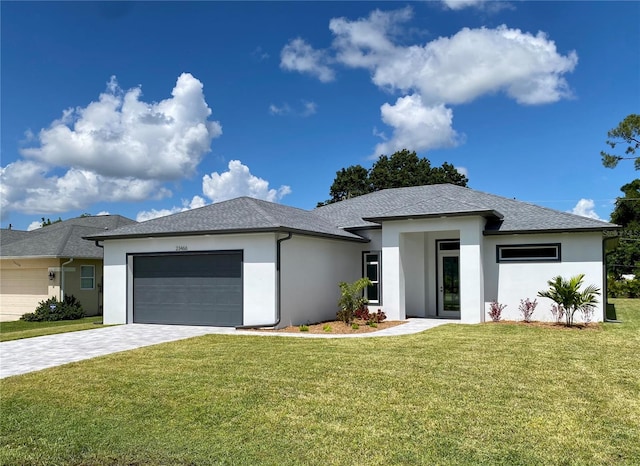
[[355, 326], [52, 310], [567, 294], [373, 324], [623, 288], [558, 312], [587, 314], [304, 328], [326, 328], [495, 310], [351, 298], [370, 317], [527, 307], [362, 313]]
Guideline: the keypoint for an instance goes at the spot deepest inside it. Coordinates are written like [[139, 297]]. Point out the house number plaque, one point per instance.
[[182, 248]]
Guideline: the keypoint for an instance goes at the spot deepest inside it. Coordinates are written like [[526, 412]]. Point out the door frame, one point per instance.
[[440, 254]]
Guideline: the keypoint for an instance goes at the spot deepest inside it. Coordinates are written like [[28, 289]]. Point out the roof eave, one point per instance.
[[550, 230], [54, 257], [488, 213], [233, 231]]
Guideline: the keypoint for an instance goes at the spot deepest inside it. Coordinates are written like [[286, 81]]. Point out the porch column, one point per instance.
[[471, 273], [393, 301]]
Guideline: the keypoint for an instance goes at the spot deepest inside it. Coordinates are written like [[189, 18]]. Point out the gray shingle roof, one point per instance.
[[243, 214], [9, 235], [451, 200], [64, 239], [340, 220]]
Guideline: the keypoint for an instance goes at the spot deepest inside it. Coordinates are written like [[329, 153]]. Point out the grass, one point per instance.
[[18, 329], [457, 394]]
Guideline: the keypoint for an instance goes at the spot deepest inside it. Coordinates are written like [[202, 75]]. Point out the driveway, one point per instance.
[[34, 354]]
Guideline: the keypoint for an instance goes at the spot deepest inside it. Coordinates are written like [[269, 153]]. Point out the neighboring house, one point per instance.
[[430, 251], [52, 261]]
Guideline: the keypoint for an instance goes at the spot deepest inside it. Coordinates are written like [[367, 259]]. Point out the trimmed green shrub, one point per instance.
[[52, 310]]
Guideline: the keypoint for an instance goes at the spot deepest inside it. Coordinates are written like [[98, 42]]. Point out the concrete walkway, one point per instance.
[[34, 354]]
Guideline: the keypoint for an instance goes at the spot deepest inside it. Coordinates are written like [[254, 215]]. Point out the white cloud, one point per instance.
[[28, 187], [34, 225], [239, 181], [460, 4], [416, 126], [306, 108], [297, 55], [236, 182], [456, 69], [120, 135], [491, 6], [259, 54], [279, 110], [463, 171], [118, 148], [446, 71], [102, 212], [309, 108], [585, 208], [195, 203]]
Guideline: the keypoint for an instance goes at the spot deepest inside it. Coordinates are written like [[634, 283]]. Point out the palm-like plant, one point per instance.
[[567, 294], [351, 298]]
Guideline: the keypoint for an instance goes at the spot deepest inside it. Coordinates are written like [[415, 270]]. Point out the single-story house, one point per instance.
[[53, 261], [437, 251]]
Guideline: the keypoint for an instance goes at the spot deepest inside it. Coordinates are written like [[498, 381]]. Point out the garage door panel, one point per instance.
[[191, 289]]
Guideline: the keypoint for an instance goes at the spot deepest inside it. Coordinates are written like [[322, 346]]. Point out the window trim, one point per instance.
[[556, 258], [365, 263], [92, 277]]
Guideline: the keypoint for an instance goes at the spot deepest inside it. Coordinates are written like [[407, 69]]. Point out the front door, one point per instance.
[[448, 279]]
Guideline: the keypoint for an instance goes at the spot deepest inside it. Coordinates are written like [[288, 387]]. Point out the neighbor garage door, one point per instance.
[[188, 289]]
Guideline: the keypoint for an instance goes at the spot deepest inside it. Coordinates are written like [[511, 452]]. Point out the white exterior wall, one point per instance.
[[311, 269], [509, 282], [259, 271]]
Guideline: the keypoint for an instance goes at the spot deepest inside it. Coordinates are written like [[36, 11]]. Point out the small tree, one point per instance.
[[352, 298], [566, 293]]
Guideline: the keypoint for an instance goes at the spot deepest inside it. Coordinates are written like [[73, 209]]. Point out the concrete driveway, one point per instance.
[[34, 354]]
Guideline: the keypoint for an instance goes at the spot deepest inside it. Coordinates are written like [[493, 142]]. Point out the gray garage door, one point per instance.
[[188, 289]]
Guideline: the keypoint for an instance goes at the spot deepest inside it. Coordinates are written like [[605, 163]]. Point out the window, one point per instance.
[[529, 253], [87, 277], [372, 272]]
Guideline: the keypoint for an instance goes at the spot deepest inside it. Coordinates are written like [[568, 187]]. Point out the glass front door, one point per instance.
[[449, 279]]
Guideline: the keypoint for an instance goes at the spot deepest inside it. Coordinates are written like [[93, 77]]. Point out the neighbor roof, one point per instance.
[[442, 200], [8, 235], [240, 215], [62, 239]]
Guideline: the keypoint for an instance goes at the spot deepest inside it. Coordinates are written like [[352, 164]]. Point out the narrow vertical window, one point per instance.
[[372, 272], [87, 277]]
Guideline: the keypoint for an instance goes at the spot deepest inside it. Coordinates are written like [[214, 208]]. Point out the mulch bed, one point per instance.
[[556, 325], [338, 327]]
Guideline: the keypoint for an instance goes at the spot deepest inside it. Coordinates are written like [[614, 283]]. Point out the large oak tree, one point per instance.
[[402, 169]]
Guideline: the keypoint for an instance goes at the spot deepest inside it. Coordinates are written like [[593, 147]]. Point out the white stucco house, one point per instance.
[[438, 251]]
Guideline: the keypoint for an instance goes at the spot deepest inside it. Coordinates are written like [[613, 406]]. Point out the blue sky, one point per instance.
[[143, 109]]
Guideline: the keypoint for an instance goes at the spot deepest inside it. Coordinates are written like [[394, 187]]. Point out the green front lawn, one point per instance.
[[457, 394], [18, 329]]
